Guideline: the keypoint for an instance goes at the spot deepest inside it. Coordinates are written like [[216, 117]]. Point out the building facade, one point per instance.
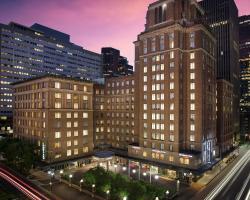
[[28, 52], [115, 113], [224, 116], [244, 24], [222, 17], [115, 65], [57, 115], [176, 82]]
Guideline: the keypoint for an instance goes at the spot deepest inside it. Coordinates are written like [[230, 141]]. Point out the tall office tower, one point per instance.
[[56, 113], [244, 23], [115, 65], [222, 16], [27, 52], [176, 82]]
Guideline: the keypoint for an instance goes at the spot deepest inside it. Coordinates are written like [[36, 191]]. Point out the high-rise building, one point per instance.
[[244, 26], [27, 52], [176, 87], [222, 17], [115, 65], [56, 113]]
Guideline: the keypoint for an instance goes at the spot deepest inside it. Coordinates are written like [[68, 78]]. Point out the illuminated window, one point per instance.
[[144, 154], [68, 133], [171, 54], [85, 115], [69, 152], [85, 132], [68, 115], [68, 124], [192, 96], [192, 127], [192, 86], [192, 138], [57, 135], [58, 105], [69, 143], [192, 55], [58, 95], [58, 115], [192, 106], [68, 96], [57, 85], [192, 65]]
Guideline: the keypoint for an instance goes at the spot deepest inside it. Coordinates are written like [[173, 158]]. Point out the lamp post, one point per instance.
[[81, 181], [157, 198], [125, 198], [70, 177], [167, 194], [156, 178], [178, 186], [61, 173], [107, 192], [93, 190], [50, 184], [115, 166]]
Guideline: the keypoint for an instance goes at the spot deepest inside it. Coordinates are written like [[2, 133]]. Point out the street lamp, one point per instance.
[[93, 190], [178, 186], [133, 171], [144, 174], [70, 177], [50, 184], [81, 181], [156, 177], [167, 194], [115, 166], [157, 198], [107, 192], [124, 168], [61, 173], [125, 198]]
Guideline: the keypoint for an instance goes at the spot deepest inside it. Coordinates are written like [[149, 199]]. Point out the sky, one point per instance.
[[92, 24]]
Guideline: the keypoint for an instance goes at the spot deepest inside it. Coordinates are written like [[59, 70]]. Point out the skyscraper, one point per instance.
[[27, 52], [244, 24], [176, 86], [222, 17], [114, 64]]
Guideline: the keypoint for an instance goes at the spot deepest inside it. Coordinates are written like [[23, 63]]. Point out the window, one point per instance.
[[68, 115], [68, 133], [192, 40], [145, 116], [58, 115], [75, 124], [69, 143], [57, 85], [162, 42], [171, 106], [57, 145], [68, 96], [192, 86], [75, 115], [192, 65], [85, 98], [145, 88], [145, 106], [145, 46], [75, 133], [68, 152], [85, 115], [192, 138], [171, 65], [75, 142], [153, 45], [192, 96], [75, 105], [171, 86], [192, 76], [57, 135], [75, 87], [85, 132], [68, 124], [192, 106], [171, 40], [58, 105], [171, 158], [192, 127], [171, 54], [144, 154], [192, 55], [58, 95], [171, 138], [171, 127], [85, 149], [145, 70], [75, 151], [145, 78], [171, 117]]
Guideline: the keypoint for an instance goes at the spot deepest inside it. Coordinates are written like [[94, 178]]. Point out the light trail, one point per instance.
[[243, 188], [22, 186], [241, 164], [248, 195]]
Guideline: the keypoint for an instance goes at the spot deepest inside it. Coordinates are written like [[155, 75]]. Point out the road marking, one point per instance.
[[229, 176], [248, 196], [243, 188]]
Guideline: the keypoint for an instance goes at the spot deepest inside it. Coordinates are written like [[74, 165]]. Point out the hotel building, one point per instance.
[[57, 114], [175, 74]]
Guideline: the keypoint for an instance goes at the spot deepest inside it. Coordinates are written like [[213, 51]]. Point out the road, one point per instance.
[[22, 185], [235, 184]]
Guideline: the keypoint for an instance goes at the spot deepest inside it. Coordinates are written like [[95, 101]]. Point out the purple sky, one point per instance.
[[91, 23]]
